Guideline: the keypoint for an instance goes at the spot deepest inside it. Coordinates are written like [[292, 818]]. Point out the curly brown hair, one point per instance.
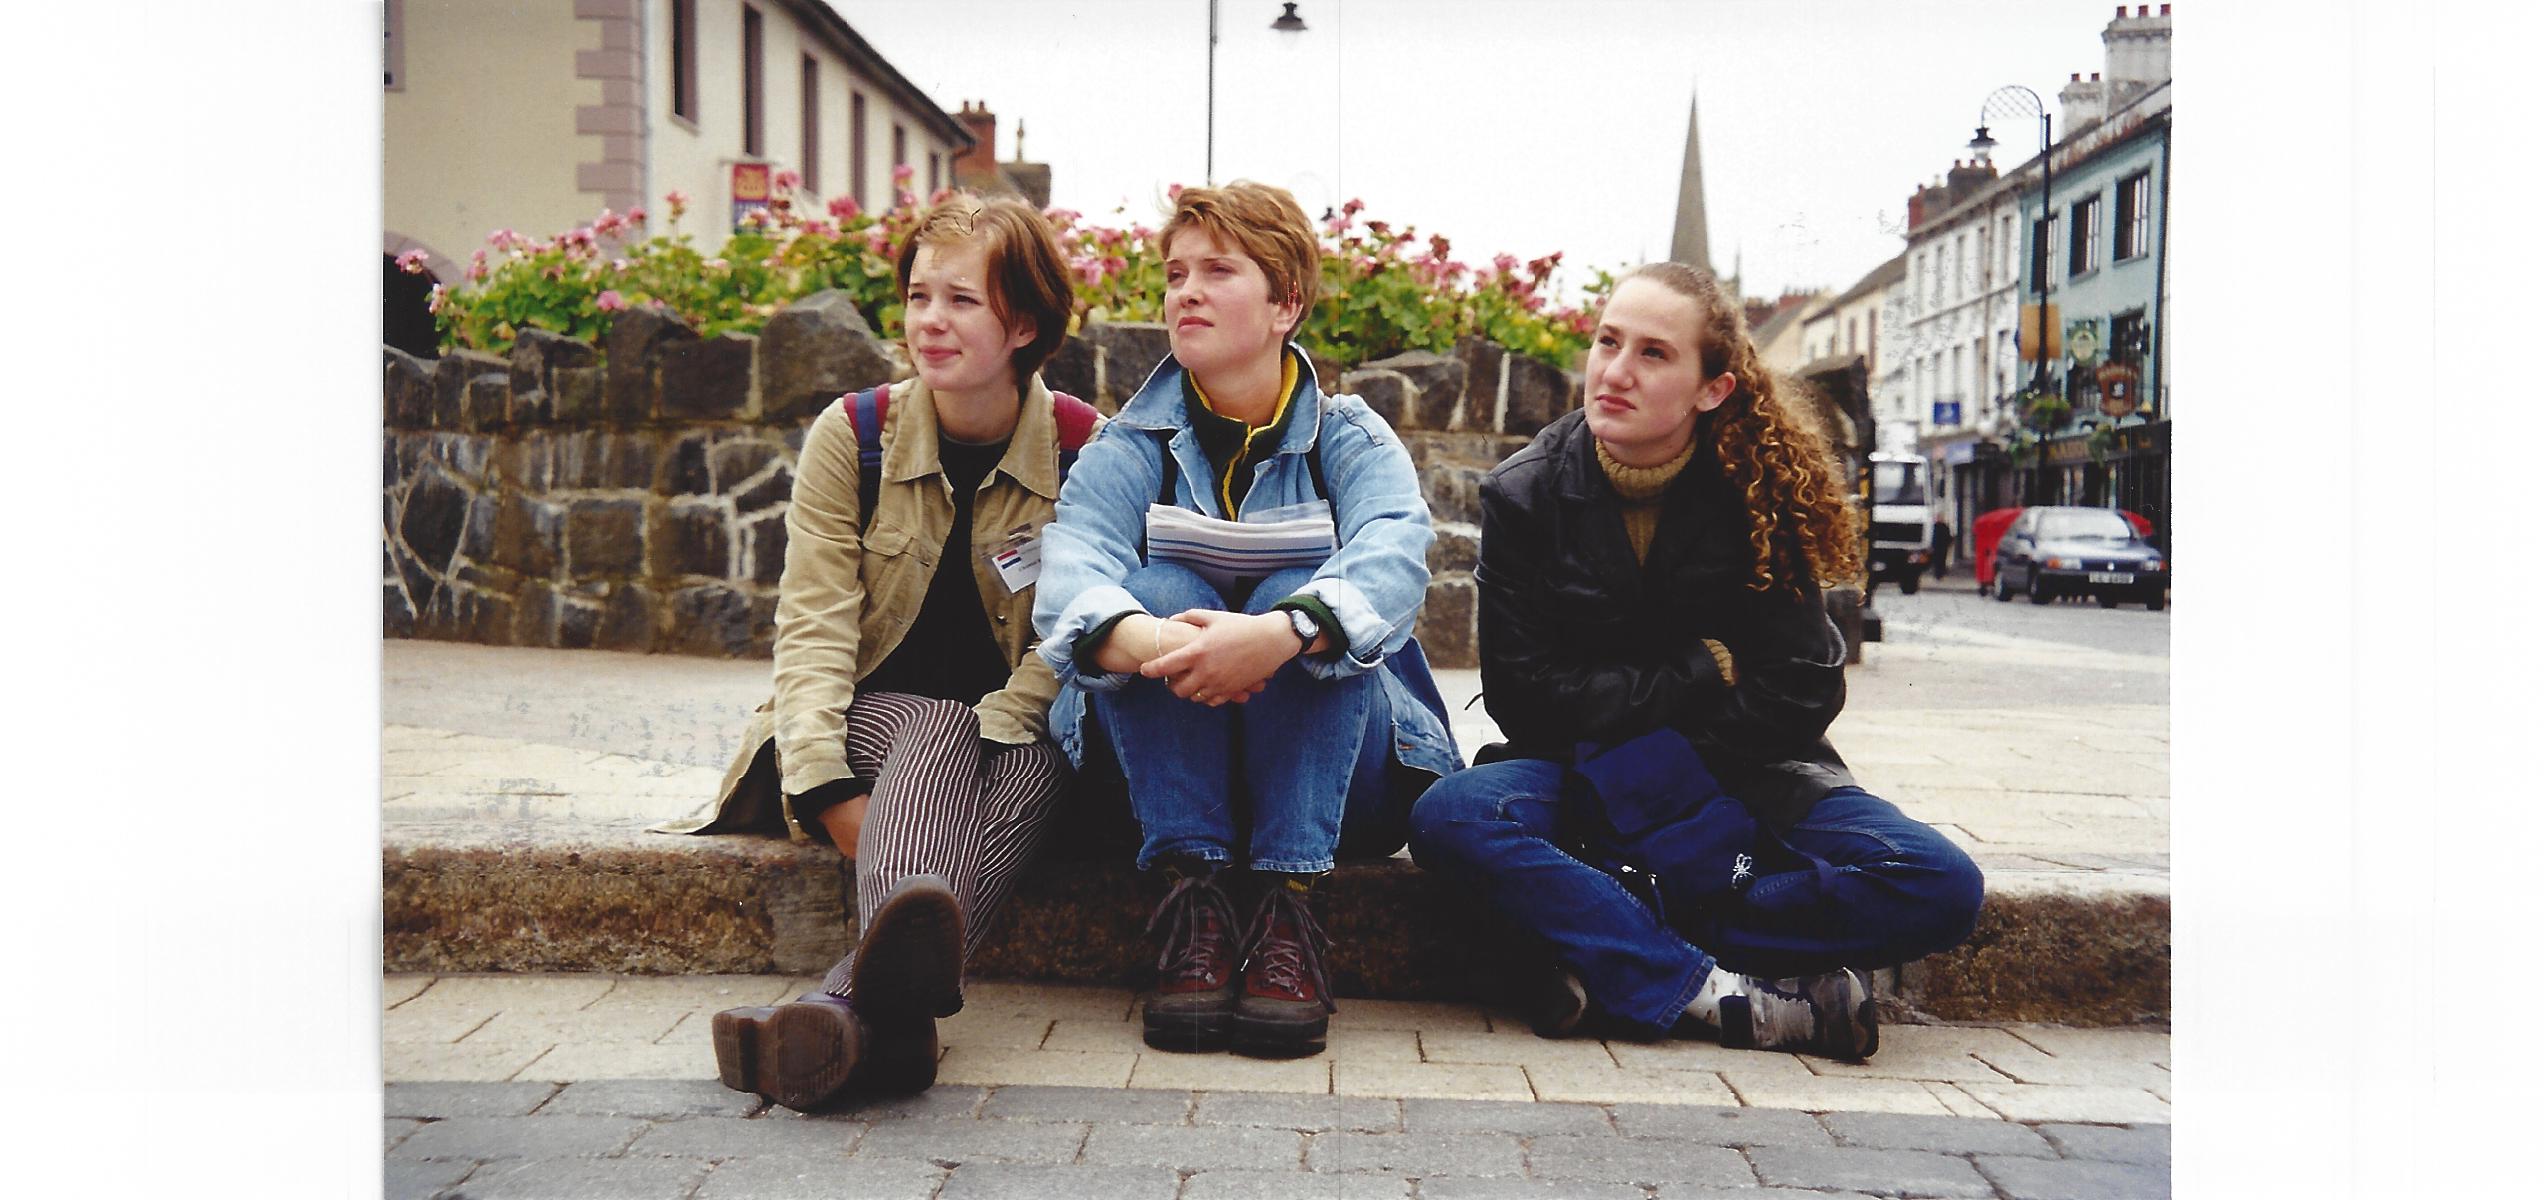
[[1802, 524]]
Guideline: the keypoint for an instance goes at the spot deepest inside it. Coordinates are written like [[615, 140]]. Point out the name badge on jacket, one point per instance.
[[1019, 560]]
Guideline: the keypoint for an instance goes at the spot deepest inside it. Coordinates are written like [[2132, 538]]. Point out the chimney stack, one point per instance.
[[981, 159]]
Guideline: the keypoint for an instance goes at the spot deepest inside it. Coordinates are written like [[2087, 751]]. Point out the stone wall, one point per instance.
[[632, 496]]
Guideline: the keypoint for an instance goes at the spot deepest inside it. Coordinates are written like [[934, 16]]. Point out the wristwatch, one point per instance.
[[1305, 627]]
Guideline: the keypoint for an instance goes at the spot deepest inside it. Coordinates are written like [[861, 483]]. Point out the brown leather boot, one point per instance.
[[1282, 1009], [803, 1053], [1196, 966]]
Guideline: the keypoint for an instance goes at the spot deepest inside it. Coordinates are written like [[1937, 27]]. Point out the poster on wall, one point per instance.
[[750, 191]]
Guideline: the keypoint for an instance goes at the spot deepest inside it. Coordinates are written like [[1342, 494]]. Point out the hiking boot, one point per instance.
[[1196, 967], [1281, 1010], [1830, 1015], [909, 959], [801, 1054]]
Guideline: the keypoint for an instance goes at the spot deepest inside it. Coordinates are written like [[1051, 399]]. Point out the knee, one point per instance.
[[1276, 587], [1953, 891], [1165, 589], [1450, 814], [944, 722]]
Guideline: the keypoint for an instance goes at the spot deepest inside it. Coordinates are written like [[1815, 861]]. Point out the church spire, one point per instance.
[[1687, 236]]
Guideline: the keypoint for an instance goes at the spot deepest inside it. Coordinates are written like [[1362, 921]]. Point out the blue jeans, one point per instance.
[[1895, 890], [1278, 782]]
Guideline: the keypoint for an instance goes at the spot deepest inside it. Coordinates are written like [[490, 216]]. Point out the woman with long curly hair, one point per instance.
[[1667, 813]]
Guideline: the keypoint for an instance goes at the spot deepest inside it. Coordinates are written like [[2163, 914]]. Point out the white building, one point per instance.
[[1854, 322], [533, 115]]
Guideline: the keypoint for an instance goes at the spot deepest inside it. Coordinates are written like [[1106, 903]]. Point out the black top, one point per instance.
[[950, 653], [1579, 643], [1233, 457]]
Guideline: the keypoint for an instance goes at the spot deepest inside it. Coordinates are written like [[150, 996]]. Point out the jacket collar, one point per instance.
[[1032, 448], [1159, 403]]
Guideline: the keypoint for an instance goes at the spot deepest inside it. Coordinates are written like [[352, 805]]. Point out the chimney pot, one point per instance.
[[2075, 77], [2097, 78], [2167, 10], [2142, 10], [2120, 12]]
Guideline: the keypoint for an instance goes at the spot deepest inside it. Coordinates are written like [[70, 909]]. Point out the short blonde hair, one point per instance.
[[1262, 222]]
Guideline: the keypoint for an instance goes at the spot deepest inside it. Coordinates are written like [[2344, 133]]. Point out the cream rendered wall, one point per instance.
[[698, 159], [481, 137]]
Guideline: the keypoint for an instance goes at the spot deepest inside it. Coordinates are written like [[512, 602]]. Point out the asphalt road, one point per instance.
[[1949, 646]]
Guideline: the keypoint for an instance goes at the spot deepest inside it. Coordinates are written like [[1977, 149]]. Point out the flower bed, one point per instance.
[[1385, 290]]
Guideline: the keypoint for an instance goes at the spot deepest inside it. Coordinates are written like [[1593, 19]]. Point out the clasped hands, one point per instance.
[[1208, 656]]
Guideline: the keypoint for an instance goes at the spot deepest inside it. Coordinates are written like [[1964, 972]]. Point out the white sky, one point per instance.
[[1513, 126]]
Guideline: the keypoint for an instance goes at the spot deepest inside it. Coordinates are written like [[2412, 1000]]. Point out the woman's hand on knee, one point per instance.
[[1229, 657]]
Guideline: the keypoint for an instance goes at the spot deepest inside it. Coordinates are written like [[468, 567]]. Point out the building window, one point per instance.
[[684, 60], [2044, 236], [2129, 232], [936, 172], [393, 46], [812, 126], [900, 151], [751, 115], [2084, 238], [857, 148], [2006, 236], [1850, 335], [2128, 337], [1960, 247]]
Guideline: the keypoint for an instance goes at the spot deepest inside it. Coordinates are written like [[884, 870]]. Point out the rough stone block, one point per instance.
[[1447, 628], [536, 355], [535, 608], [1453, 492], [434, 516], [489, 402], [1127, 352], [1481, 402], [527, 535], [1454, 545], [696, 541], [397, 614], [604, 537], [1533, 395], [633, 349], [477, 534], [534, 407], [576, 394], [484, 617], [2148, 1144], [1387, 394], [716, 619], [633, 461], [2035, 1179], [764, 549], [406, 390], [813, 351], [1438, 383], [578, 623], [708, 378], [1071, 369], [775, 489], [1889, 1172], [651, 1099], [732, 462], [689, 474], [465, 454], [628, 620], [451, 379]]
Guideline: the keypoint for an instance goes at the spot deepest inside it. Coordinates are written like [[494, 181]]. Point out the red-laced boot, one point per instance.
[[1196, 965], [1282, 1009]]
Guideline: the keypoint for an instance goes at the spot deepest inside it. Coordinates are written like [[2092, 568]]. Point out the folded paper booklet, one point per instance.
[[1223, 552]]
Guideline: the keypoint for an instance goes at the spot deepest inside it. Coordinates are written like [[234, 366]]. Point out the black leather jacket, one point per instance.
[[1581, 645]]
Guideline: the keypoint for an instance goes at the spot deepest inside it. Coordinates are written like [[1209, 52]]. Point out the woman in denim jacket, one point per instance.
[[1257, 722], [1649, 592]]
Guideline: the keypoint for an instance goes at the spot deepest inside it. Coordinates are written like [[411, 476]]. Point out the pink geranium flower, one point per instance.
[[609, 301], [787, 181], [411, 262], [845, 208], [901, 174]]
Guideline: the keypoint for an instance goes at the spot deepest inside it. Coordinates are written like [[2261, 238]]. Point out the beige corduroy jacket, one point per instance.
[[852, 589]]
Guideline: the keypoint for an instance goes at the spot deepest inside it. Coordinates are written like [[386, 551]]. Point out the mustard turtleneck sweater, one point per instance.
[[1638, 492]]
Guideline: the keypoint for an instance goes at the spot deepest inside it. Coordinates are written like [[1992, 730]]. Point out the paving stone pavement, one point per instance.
[[683, 1140]]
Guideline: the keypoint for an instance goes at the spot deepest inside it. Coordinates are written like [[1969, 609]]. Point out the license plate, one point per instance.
[[2110, 577]]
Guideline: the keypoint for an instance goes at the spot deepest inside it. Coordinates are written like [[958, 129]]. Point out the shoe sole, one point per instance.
[[910, 958], [796, 1055], [1187, 1032], [1276, 1037]]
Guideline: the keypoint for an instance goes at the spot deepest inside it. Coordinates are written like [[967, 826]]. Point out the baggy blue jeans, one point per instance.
[[1896, 891], [1276, 783]]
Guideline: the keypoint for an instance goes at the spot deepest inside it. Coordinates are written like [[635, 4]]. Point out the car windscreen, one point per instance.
[[2085, 525], [1898, 483]]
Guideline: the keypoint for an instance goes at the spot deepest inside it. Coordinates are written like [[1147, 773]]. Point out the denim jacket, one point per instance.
[[1374, 583]]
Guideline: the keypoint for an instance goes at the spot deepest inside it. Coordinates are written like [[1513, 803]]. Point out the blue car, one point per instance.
[[2073, 551]]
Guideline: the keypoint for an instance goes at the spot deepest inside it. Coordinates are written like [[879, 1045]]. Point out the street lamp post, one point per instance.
[[1288, 22], [2015, 100]]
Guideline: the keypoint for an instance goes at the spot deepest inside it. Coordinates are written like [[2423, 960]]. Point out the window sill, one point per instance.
[[684, 123]]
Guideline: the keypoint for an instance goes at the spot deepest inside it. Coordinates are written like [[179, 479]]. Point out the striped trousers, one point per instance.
[[945, 803]]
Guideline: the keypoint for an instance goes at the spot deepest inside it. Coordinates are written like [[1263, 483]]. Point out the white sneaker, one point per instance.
[[1832, 1015]]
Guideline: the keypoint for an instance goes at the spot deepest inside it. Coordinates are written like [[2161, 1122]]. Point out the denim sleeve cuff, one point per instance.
[[1326, 621], [1084, 650], [1082, 616], [1366, 636]]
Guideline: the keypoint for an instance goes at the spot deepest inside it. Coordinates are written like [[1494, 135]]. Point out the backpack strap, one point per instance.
[[1076, 419], [867, 410]]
